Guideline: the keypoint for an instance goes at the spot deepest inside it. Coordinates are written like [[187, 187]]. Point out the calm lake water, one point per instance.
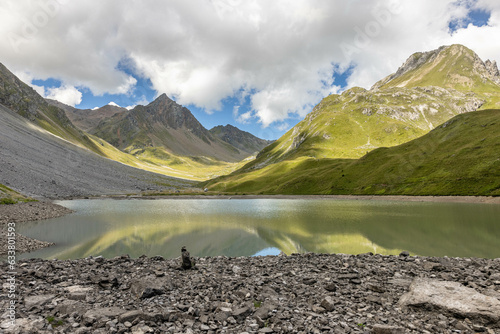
[[245, 227]]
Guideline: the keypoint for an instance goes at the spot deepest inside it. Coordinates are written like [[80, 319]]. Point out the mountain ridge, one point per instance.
[[164, 123], [242, 140], [87, 119], [348, 126], [26, 102], [444, 61]]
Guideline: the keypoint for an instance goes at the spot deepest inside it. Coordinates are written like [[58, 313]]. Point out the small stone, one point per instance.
[[131, 316], [328, 304], [376, 288], [384, 329], [37, 300], [331, 287], [309, 281], [151, 292], [204, 328], [242, 312], [127, 324], [404, 254]]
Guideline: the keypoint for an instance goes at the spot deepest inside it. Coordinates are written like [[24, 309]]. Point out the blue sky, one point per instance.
[[257, 65]]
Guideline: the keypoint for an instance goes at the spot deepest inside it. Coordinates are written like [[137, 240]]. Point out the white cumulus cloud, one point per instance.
[[281, 55], [66, 94]]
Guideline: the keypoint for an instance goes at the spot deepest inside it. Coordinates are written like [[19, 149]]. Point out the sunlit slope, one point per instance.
[[427, 90], [353, 123], [459, 157], [158, 160], [9, 196], [451, 67]]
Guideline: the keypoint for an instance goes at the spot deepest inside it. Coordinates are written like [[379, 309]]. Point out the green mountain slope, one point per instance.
[[22, 99], [460, 157], [397, 109], [455, 67], [9, 196], [428, 90]]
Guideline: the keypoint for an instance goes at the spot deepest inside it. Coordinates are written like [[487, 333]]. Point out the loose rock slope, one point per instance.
[[39, 164], [308, 293]]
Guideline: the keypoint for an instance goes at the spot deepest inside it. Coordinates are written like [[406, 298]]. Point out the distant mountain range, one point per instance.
[[162, 137], [426, 91], [87, 119], [163, 124], [430, 128]]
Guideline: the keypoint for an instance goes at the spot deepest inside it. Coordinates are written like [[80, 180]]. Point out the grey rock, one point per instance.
[[147, 287], [131, 316], [332, 287], [109, 312], [264, 311], [242, 312], [384, 329], [37, 300], [451, 298], [328, 304]]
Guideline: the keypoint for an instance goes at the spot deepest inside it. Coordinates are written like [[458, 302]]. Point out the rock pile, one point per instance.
[[308, 293]]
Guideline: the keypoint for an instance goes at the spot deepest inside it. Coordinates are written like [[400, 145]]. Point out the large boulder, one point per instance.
[[452, 298]]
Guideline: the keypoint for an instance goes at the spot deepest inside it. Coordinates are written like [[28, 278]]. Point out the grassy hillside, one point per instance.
[[427, 90], [357, 121], [454, 67], [459, 157], [9, 196], [158, 160]]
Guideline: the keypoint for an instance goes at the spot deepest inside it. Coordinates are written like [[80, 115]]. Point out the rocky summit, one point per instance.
[[308, 293]]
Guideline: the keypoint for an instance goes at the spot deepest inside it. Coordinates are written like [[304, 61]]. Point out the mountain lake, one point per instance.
[[247, 227]]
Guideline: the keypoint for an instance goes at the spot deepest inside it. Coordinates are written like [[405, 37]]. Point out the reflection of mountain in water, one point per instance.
[[163, 242], [243, 228]]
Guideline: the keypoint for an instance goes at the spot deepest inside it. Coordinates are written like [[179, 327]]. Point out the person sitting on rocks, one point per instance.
[[187, 261]]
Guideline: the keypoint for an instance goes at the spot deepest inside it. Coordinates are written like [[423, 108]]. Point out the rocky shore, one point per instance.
[[307, 293], [23, 212]]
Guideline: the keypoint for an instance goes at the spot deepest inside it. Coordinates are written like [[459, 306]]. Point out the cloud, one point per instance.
[[66, 94], [282, 55], [112, 103], [142, 101]]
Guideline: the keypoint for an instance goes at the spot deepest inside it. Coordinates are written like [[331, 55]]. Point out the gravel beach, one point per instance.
[[23, 212], [307, 293], [301, 293]]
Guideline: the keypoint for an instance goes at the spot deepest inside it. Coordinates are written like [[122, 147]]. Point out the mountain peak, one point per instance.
[[454, 66], [163, 97], [242, 140]]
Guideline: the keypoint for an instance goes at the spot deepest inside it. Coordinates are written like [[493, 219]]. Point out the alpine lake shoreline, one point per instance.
[[298, 293]]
